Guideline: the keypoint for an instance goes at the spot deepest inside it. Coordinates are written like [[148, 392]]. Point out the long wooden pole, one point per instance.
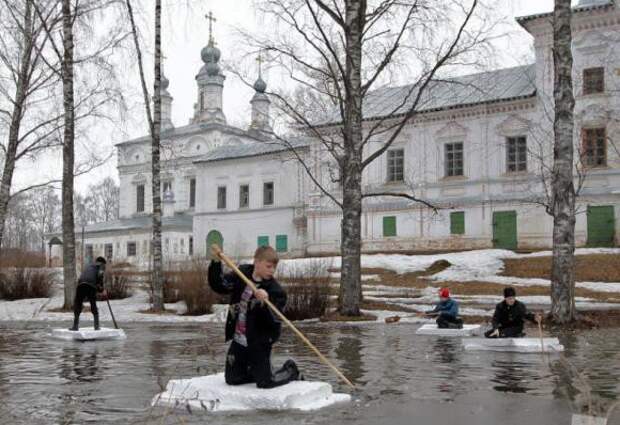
[[218, 252]]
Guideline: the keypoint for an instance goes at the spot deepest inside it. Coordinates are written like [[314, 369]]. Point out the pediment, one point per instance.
[[139, 178], [513, 125], [452, 130], [593, 115]]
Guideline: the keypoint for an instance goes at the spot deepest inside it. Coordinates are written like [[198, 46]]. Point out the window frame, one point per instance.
[[457, 227], [140, 198], [519, 161], [265, 191], [590, 154], [246, 198], [135, 249], [221, 197], [451, 161], [395, 165], [192, 192], [593, 79]]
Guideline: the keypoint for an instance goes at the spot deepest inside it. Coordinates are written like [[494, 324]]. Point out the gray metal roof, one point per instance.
[[252, 149], [142, 222], [583, 6], [493, 86]]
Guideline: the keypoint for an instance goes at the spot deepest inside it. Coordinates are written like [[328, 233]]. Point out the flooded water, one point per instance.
[[401, 377]]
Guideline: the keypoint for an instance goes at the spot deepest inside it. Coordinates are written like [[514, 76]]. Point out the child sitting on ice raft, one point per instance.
[[446, 311], [251, 326], [509, 317]]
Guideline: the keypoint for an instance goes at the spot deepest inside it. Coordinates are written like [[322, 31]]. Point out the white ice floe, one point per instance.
[[132, 309], [519, 345], [88, 334], [588, 420], [468, 330], [211, 393]]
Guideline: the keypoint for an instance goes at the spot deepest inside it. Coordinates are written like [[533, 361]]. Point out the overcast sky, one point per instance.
[[185, 33]]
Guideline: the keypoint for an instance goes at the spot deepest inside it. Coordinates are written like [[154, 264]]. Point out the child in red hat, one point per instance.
[[446, 311]]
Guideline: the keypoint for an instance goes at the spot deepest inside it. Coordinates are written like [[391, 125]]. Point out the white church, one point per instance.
[[479, 148]]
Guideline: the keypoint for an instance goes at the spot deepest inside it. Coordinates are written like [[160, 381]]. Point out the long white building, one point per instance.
[[480, 148]]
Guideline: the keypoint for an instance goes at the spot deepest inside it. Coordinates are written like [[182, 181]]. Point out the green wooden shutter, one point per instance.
[[505, 229], [457, 223], [601, 225], [389, 226], [263, 241], [281, 243]]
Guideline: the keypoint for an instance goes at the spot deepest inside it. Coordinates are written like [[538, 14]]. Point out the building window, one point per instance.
[[263, 241], [109, 251], [268, 193], [389, 226], [395, 165], [281, 243], [516, 154], [182, 242], [244, 196], [175, 247], [144, 248], [594, 150], [140, 198], [192, 193], [454, 159], [131, 249], [190, 246], [221, 197], [166, 187], [593, 80], [457, 223], [89, 253]]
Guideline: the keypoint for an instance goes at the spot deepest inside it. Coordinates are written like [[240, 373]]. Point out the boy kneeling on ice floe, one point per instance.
[[509, 316], [446, 311], [250, 324]]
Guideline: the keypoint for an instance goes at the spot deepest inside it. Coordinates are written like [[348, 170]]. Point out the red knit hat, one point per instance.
[[444, 293]]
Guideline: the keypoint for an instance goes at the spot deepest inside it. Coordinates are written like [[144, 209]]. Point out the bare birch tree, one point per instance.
[[563, 206], [22, 32], [154, 121], [340, 51]]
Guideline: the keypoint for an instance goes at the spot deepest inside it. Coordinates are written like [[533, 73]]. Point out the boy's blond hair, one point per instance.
[[266, 253]]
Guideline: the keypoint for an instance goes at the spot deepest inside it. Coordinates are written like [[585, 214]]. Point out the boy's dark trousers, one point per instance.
[[447, 321], [245, 365], [512, 332], [83, 292]]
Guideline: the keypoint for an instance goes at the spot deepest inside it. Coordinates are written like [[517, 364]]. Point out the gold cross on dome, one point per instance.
[[211, 19]]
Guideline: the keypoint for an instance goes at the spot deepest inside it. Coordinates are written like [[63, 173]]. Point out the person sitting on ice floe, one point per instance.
[[250, 324], [509, 316], [446, 311], [89, 283]]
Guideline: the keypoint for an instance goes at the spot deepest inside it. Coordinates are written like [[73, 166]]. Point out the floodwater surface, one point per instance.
[[401, 378]]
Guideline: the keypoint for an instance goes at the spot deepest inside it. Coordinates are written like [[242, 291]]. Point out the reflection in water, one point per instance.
[[447, 351], [113, 383], [512, 375], [349, 352]]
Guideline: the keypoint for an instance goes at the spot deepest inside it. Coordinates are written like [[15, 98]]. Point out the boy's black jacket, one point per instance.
[[262, 326]]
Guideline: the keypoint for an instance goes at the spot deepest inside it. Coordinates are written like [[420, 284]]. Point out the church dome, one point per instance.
[[212, 68], [164, 82], [260, 85], [210, 53]]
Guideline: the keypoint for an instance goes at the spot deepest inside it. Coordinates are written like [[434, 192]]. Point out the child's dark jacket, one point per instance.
[[263, 327]]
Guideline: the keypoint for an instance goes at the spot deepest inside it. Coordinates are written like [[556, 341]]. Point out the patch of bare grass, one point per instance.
[[588, 268]]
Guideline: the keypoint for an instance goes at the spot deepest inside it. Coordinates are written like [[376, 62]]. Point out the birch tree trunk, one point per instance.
[[23, 82], [351, 244], [68, 231], [563, 206], [157, 276]]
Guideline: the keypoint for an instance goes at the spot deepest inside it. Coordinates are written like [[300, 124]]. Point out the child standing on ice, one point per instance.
[[251, 326]]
